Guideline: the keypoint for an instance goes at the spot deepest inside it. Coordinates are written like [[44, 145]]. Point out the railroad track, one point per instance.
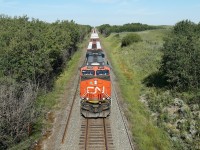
[[96, 134]]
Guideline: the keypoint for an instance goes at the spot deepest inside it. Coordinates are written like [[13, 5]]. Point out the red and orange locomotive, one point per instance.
[[95, 85]]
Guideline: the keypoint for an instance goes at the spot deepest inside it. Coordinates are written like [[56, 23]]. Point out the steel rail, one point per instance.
[[70, 112]]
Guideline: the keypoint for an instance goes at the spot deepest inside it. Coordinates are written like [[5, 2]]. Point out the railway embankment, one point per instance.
[[161, 113], [131, 65]]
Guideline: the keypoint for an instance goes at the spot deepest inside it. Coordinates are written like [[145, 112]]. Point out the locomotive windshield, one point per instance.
[[95, 58], [102, 72], [88, 72]]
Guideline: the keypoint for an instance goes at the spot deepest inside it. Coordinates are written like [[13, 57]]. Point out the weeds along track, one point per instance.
[[96, 134]]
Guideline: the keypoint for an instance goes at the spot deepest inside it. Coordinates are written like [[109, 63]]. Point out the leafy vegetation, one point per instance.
[[180, 63], [107, 29], [33, 54], [162, 73], [132, 64], [130, 38], [34, 50], [180, 68]]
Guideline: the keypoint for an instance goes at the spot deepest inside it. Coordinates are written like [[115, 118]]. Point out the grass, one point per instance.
[[132, 65], [50, 101]]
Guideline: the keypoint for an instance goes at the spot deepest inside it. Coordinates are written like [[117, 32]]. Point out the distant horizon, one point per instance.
[[98, 12], [97, 25]]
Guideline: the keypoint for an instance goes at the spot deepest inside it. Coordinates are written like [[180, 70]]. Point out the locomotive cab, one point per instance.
[[95, 91]]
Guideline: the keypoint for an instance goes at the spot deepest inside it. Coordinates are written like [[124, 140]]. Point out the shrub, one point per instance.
[[180, 62], [130, 38], [17, 111]]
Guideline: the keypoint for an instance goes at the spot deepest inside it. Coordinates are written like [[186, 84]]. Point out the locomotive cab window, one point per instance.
[[87, 72], [102, 72]]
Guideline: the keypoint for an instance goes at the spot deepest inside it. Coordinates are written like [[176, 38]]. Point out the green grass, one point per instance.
[[131, 65], [50, 101]]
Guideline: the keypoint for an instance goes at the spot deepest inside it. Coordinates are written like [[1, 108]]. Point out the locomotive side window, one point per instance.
[[88, 72], [102, 72]]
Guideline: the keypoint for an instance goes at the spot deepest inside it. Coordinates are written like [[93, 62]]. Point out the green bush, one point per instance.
[[130, 38], [180, 62]]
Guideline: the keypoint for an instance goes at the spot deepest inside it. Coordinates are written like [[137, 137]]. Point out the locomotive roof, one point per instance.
[[98, 45], [89, 45]]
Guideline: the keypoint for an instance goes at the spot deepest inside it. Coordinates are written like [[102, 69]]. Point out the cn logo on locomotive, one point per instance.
[[94, 90]]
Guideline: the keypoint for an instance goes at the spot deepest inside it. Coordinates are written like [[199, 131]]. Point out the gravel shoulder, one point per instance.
[[121, 135], [54, 141]]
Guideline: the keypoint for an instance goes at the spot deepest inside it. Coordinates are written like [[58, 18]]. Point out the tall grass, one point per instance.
[[131, 65]]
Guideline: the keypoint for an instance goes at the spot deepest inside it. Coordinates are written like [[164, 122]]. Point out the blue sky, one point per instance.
[[97, 12]]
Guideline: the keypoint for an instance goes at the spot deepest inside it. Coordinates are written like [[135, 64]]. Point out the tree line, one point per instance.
[[32, 54], [107, 29], [181, 59]]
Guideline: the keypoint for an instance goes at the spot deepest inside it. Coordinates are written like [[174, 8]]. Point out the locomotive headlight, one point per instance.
[[87, 98], [95, 82], [103, 98]]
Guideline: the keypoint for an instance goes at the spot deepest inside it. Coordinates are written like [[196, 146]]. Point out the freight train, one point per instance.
[[95, 82]]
